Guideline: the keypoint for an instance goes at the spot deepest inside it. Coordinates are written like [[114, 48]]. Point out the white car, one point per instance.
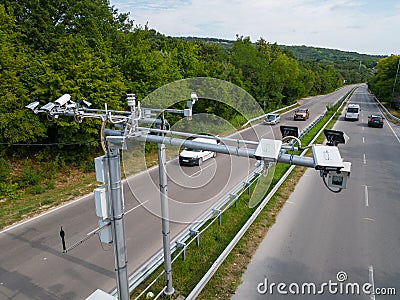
[[272, 119], [194, 157]]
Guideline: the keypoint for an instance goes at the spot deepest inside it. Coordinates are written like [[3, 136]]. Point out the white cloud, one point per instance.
[[340, 24]]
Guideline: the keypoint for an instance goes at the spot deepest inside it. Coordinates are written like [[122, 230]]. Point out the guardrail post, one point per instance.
[[195, 233], [182, 245], [234, 196], [218, 212], [247, 185]]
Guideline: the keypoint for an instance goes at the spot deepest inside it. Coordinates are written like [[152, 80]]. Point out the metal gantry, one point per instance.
[[108, 170]]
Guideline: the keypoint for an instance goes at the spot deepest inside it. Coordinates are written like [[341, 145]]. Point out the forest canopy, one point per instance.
[[91, 51]]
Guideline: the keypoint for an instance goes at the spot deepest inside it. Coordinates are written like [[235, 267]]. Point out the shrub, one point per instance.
[[30, 176], [5, 169]]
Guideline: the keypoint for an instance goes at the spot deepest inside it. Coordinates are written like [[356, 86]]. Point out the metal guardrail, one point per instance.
[[264, 115], [193, 232], [386, 110], [199, 287]]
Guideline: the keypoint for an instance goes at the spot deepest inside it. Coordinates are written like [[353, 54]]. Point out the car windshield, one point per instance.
[[271, 117], [192, 150], [352, 110], [301, 111]]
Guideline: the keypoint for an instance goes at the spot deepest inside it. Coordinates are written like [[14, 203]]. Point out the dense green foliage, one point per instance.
[[353, 67], [89, 50], [384, 84]]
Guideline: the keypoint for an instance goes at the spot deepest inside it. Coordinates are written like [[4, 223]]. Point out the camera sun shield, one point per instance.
[[327, 158]]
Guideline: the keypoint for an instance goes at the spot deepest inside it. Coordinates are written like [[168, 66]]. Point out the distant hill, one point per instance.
[[353, 66], [307, 53]]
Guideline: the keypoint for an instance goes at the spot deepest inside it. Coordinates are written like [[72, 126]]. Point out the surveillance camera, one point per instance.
[[338, 179], [33, 106], [63, 99], [289, 131], [335, 137], [48, 107]]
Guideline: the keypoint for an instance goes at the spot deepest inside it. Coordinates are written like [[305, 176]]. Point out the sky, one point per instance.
[[363, 26]]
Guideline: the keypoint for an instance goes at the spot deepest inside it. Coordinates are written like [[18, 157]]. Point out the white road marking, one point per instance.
[[366, 196], [363, 140], [372, 282], [396, 136], [364, 159], [44, 214], [133, 208], [199, 171], [266, 133]]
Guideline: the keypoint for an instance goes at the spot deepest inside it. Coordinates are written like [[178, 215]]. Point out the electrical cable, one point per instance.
[[292, 137]]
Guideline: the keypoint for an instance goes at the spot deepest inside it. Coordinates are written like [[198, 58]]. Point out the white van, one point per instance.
[[352, 112], [193, 157]]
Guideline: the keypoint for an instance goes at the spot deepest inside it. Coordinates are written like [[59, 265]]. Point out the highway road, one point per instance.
[[33, 267], [319, 235]]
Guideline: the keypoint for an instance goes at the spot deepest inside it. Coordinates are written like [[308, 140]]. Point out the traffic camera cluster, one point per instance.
[[326, 159]]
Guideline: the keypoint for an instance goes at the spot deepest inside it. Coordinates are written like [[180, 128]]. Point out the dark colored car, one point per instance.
[[375, 121], [301, 114]]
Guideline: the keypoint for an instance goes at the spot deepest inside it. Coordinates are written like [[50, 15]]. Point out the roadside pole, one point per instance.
[[117, 222]]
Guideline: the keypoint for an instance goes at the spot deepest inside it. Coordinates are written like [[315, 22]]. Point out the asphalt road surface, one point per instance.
[[32, 265], [351, 238]]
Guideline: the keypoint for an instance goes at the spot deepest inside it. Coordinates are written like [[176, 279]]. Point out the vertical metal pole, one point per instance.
[[165, 219], [117, 223]]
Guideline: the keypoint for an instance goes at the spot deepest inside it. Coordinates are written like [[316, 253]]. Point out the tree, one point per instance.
[[383, 83], [16, 123], [43, 22]]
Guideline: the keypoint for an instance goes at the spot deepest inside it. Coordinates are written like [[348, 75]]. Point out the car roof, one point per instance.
[[376, 116], [272, 114], [204, 140], [353, 105]]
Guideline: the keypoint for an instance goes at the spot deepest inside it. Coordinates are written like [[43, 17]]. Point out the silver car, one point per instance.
[[272, 119]]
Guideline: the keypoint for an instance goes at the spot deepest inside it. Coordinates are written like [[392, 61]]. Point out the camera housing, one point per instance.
[[327, 158], [33, 106], [338, 179], [63, 99]]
